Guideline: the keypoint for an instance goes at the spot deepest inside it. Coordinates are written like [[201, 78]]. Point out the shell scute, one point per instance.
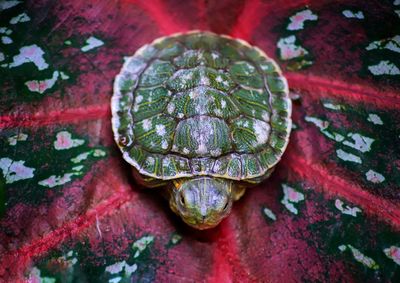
[[157, 73], [152, 164], [202, 136], [250, 165], [155, 134], [277, 84], [149, 102], [169, 50], [249, 135], [202, 166], [245, 74], [234, 167], [253, 103]]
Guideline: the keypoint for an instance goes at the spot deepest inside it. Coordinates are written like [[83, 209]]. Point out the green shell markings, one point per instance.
[[201, 106]]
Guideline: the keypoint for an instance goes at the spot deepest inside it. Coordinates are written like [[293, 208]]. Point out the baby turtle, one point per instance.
[[204, 116]]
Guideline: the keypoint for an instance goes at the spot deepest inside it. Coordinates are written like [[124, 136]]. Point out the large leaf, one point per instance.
[[71, 211]]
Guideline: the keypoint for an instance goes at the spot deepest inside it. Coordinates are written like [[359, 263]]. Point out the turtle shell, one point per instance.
[[201, 104]]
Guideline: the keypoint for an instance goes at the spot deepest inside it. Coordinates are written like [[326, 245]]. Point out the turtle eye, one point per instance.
[[182, 200], [226, 206]]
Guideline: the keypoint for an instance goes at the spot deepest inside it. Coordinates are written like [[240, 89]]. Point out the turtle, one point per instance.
[[204, 116]]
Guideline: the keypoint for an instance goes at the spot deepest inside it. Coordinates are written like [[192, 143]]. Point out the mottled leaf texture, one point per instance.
[[70, 210]]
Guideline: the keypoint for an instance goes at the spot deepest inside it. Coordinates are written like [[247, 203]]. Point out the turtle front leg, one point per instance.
[[238, 191]]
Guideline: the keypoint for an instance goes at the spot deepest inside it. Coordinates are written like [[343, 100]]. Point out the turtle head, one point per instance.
[[202, 202]]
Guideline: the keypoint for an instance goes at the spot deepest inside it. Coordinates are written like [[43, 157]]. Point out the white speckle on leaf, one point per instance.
[[291, 197], [346, 209], [64, 140], [392, 43], [185, 150], [358, 256], [397, 12], [298, 19], [64, 76], [99, 153], [15, 170], [91, 43], [19, 137], [289, 50], [396, 2], [42, 86], [21, 18], [6, 40], [30, 54], [332, 106], [120, 266], [348, 156], [5, 30], [359, 142], [267, 212], [35, 276], [384, 67], [374, 177], [375, 119], [176, 238], [350, 14], [129, 269], [4, 5], [323, 126], [218, 79], [80, 157], [54, 180], [2, 57], [115, 279], [141, 244], [116, 267], [393, 253], [77, 168]]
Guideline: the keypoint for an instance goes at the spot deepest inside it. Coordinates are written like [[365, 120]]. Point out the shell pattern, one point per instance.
[[201, 104]]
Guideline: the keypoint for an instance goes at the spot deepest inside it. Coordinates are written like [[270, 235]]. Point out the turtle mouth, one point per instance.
[[202, 224]]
